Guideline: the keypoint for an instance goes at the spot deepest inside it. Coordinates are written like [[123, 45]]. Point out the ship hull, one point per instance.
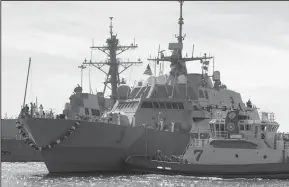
[[139, 164], [17, 151], [13, 149], [99, 147]]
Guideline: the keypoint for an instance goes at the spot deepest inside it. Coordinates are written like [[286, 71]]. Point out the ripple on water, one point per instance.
[[35, 174]]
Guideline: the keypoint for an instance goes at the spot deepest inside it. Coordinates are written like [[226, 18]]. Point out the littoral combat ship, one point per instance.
[[160, 114]]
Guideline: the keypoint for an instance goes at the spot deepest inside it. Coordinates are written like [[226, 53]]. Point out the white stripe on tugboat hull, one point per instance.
[[272, 170]]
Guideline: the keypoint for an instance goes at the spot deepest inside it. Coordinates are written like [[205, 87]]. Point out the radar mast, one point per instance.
[[178, 63], [112, 49]]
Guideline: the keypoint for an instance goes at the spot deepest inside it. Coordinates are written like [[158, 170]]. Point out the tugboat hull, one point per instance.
[[141, 164], [99, 147]]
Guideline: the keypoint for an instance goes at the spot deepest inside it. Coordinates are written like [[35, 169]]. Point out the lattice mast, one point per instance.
[[178, 63], [112, 50]]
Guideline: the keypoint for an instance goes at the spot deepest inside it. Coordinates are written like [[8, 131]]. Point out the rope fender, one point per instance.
[[53, 144]]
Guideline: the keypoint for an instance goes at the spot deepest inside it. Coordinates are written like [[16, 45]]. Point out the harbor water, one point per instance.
[[36, 174]]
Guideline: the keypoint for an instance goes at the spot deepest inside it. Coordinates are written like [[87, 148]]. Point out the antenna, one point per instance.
[[90, 90], [26, 82], [82, 67], [111, 26], [193, 50], [213, 65]]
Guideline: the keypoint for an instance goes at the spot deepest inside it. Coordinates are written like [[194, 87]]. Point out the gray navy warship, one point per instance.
[[159, 114]]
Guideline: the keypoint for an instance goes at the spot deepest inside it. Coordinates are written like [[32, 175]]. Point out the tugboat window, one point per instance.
[[175, 106], [247, 127], [206, 94], [156, 105], [169, 105], [201, 94], [162, 105], [242, 127], [86, 111], [180, 105], [222, 127]]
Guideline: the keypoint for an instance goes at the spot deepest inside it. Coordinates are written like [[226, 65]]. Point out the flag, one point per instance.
[[148, 71]]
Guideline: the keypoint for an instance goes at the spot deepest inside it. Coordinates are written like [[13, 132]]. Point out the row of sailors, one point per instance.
[[36, 111]]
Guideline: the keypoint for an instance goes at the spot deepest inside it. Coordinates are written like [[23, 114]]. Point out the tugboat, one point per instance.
[[237, 146]]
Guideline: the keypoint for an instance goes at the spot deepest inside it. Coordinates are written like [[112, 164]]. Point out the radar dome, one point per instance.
[[151, 80], [182, 79], [123, 91], [161, 79]]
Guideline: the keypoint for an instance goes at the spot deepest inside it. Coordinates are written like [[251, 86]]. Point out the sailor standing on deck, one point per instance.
[[41, 110]]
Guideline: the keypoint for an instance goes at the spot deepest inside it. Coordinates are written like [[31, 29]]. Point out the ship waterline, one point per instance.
[[97, 146]]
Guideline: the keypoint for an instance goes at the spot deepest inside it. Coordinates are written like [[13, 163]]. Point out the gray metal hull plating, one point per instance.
[[18, 151], [13, 149], [99, 147]]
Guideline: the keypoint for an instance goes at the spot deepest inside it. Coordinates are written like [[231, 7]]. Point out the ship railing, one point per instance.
[[282, 136], [220, 134], [267, 116], [197, 142]]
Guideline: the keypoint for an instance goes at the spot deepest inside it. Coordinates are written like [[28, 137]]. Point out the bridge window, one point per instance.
[[222, 127], [242, 128], [217, 127], [95, 112], [86, 111], [180, 105], [156, 105], [201, 94], [206, 94], [175, 105], [240, 144], [169, 105], [147, 105], [162, 105], [212, 127], [248, 127]]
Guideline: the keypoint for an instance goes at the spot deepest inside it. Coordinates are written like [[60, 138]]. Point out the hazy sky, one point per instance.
[[250, 42]]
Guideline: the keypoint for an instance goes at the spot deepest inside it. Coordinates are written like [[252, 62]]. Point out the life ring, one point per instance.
[[231, 127], [232, 115]]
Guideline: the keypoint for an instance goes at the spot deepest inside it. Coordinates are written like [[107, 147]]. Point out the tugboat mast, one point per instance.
[[112, 50]]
